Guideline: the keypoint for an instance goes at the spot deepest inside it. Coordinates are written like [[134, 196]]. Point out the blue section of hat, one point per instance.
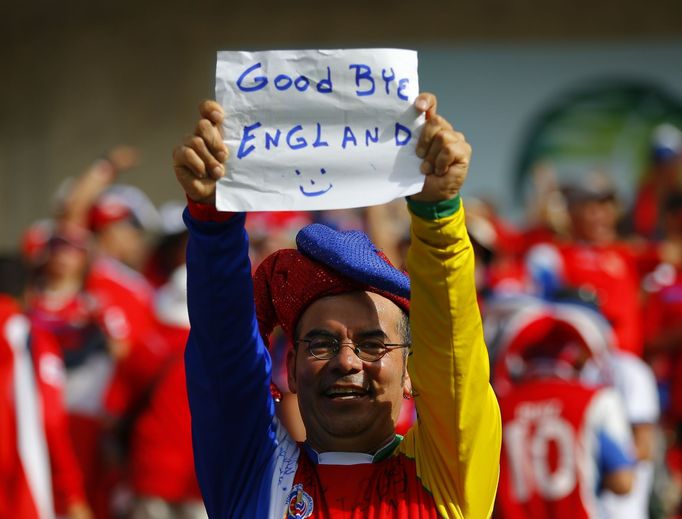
[[352, 254]]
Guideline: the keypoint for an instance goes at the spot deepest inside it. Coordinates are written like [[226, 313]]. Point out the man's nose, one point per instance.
[[346, 359]]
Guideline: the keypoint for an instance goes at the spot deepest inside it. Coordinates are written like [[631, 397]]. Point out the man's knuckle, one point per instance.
[[216, 139], [188, 154], [203, 126], [197, 143], [441, 138]]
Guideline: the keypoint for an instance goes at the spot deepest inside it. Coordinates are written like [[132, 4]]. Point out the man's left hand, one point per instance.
[[445, 151]]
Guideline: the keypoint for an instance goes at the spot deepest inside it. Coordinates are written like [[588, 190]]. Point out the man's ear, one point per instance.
[[407, 386], [291, 370]]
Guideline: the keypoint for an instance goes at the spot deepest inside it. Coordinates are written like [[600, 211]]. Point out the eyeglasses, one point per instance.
[[369, 350]]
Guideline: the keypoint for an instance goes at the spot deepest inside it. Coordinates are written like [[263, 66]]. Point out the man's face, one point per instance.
[[348, 404], [595, 221], [66, 261], [125, 242]]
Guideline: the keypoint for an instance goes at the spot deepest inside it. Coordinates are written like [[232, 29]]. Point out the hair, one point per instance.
[[404, 329]]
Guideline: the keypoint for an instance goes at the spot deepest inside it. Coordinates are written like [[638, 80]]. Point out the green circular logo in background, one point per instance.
[[604, 125]]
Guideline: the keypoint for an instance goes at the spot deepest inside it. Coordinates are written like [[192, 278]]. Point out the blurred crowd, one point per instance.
[[582, 309]]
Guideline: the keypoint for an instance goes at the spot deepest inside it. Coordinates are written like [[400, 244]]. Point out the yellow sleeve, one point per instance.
[[456, 440]]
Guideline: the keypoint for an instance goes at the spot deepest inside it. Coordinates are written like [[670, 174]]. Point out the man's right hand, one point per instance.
[[199, 161]]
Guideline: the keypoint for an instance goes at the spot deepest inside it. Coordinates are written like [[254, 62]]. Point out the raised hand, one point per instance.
[[445, 151], [199, 161]]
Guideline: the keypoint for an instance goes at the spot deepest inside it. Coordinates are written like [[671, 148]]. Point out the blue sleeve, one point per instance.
[[228, 370], [612, 455]]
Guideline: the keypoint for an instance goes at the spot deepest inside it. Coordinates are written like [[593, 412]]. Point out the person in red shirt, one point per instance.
[[124, 295], [161, 459], [65, 317], [663, 309], [24, 464], [117, 216], [563, 441], [36, 349], [100, 310], [594, 261], [661, 179], [67, 477], [663, 331]]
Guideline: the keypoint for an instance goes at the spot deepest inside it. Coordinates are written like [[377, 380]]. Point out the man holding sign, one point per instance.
[[345, 309]]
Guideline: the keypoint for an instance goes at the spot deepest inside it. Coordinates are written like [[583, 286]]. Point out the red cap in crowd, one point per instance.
[[108, 210]]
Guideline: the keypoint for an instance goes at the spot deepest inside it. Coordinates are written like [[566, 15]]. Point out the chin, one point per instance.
[[347, 426]]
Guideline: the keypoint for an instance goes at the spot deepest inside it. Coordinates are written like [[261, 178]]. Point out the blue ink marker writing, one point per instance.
[[283, 82], [363, 73], [300, 141], [246, 137], [271, 140], [348, 136], [320, 192], [318, 138], [302, 83], [387, 78], [402, 85], [407, 134], [324, 86], [258, 82], [371, 138]]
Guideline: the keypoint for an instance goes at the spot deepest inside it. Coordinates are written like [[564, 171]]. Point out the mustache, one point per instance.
[[352, 379]]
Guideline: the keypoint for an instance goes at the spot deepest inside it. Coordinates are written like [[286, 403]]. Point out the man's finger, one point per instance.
[[440, 141], [447, 149], [211, 165], [429, 131], [456, 171], [211, 110], [184, 157], [426, 103], [212, 139], [201, 190], [445, 158]]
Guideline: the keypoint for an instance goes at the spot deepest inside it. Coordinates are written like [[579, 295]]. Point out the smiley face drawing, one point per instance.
[[314, 192]]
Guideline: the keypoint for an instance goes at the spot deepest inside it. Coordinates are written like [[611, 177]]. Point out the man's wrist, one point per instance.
[[434, 210], [206, 212]]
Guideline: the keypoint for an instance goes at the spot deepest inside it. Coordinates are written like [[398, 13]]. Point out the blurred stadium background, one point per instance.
[[80, 77]]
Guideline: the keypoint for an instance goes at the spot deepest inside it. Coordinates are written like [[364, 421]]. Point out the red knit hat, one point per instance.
[[327, 263]]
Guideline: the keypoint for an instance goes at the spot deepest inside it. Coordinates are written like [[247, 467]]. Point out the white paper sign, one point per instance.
[[318, 129]]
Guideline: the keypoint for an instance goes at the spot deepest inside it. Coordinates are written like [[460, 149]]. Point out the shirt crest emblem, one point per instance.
[[299, 503]]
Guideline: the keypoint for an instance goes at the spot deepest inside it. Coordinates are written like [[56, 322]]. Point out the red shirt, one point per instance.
[[67, 478], [646, 215], [387, 488], [17, 497], [546, 465], [611, 272], [663, 315], [148, 387], [124, 298], [162, 459]]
